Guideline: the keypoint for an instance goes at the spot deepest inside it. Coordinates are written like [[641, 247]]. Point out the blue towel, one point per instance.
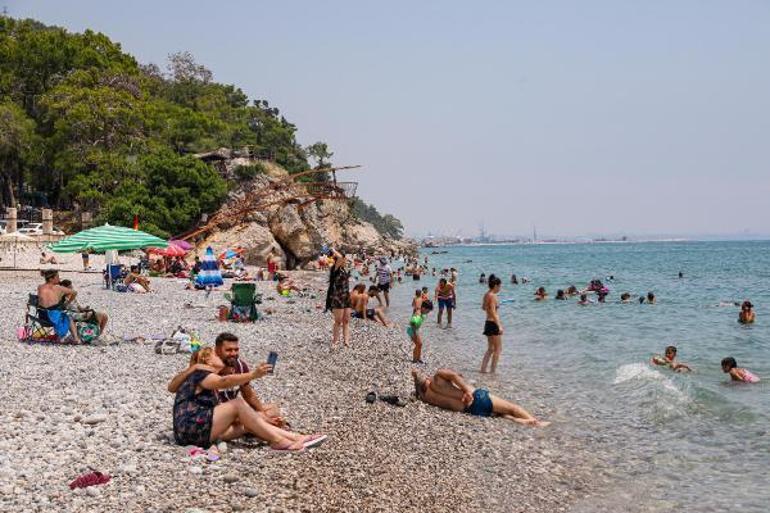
[[60, 321]]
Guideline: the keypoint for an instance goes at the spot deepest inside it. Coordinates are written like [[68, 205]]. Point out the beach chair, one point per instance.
[[35, 328], [113, 275], [244, 299]]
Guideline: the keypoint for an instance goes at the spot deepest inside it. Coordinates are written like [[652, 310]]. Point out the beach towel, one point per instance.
[[60, 321], [209, 275]]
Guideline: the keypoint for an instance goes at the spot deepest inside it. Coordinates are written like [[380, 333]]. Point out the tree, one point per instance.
[[17, 145], [319, 152]]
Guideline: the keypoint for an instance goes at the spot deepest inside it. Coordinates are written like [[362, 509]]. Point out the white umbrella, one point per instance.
[[12, 239]]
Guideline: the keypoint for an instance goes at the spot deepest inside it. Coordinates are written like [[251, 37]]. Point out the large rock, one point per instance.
[[255, 238]]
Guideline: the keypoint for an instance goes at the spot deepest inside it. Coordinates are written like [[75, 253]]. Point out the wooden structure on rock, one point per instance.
[[289, 190]]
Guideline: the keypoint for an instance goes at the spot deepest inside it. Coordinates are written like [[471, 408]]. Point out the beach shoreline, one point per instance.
[[378, 457]]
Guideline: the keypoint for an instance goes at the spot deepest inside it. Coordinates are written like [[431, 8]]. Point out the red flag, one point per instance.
[[136, 221]]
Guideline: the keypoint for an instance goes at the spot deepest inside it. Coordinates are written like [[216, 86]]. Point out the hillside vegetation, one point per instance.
[[83, 125]]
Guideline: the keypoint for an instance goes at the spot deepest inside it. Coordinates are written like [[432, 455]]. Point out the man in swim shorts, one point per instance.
[[448, 390], [446, 298]]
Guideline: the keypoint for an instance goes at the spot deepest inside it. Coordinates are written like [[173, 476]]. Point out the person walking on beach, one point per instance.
[[84, 256], [448, 390], [384, 279], [446, 297], [200, 420], [493, 328], [338, 298], [227, 348]]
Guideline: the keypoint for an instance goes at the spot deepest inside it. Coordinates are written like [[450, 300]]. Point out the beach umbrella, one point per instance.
[[171, 251], [106, 238], [209, 275], [182, 244], [12, 240]]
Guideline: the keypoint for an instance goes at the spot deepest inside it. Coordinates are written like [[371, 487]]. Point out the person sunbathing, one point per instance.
[[448, 390], [200, 419], [136, 281], [48, 259], [81, 314], [285, 286]]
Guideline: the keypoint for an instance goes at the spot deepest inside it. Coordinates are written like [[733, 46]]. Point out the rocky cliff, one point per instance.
[[291, 226]]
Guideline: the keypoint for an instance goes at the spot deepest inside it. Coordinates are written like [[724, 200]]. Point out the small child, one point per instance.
[[416, 301], [414, 329], [730, 366], [669, 360]]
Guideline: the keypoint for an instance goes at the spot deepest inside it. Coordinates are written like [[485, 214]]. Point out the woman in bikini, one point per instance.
[[493, 328], [200, 420]]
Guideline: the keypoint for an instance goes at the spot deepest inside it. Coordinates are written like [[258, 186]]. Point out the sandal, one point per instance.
[[314, 440], [287, 447]]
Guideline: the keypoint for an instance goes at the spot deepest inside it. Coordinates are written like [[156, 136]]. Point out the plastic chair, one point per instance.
[[244, 299]]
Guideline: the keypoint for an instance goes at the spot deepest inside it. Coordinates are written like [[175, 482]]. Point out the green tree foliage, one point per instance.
[[386, 224], [86, 126]]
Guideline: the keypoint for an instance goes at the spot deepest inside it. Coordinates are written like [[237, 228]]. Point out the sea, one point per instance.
[[668, 441]]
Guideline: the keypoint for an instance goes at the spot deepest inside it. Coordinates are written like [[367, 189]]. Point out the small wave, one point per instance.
[[643, 371]]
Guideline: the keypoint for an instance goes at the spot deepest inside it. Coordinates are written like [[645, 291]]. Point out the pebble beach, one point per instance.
[[68, 410]]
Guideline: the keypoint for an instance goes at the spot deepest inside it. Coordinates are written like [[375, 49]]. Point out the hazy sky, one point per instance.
[[579, 117]]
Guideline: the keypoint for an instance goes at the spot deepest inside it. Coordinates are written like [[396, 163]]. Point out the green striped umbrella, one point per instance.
[[106, 238]]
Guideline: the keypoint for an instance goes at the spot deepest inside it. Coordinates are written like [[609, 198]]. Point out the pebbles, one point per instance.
[[110, 411]]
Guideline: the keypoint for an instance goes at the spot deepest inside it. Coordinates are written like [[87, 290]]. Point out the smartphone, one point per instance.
[[272, 358]]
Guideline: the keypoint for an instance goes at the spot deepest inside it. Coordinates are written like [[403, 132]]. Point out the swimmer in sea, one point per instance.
[[669, 360], [650, 298], [747, 313], [572, 291], [730, 366], [584, 300], [540, 294], [625, 297], [482, 278], [448, 390], [514, 280], [560, 295], [681, 275]]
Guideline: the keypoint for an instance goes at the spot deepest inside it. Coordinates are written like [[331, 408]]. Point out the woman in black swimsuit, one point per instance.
[[493, 329]]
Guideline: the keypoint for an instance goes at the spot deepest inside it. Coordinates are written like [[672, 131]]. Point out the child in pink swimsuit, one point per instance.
[[737, 373]]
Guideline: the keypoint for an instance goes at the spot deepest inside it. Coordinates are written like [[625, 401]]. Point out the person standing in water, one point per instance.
[[446, 297], [384, 279], [493, 328]]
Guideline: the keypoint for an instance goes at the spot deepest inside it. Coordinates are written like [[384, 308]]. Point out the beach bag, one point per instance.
[[88, 332]]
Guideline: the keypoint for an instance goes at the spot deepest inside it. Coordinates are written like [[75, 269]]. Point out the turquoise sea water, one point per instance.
[[674, 442]]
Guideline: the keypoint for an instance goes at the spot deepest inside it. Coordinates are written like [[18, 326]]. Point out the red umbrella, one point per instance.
[[171, 251]]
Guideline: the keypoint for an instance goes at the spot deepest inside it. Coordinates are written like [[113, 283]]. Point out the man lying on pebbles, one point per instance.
[[228, 349], [448, 390]]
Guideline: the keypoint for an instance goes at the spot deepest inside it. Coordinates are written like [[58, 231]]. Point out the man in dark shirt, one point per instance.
[[228, 350]]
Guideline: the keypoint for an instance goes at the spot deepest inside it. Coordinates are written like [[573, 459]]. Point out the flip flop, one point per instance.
[[315, 441], [286, 448]]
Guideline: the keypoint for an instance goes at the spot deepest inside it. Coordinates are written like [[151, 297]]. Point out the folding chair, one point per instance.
[[243, 302], [37, 329]]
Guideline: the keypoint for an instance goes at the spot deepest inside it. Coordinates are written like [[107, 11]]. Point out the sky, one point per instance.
[[591, 117]]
